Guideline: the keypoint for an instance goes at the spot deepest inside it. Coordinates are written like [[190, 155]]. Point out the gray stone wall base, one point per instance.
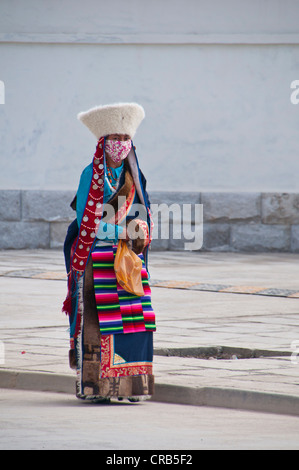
[[20, 235], [260, 238], [240, 222]]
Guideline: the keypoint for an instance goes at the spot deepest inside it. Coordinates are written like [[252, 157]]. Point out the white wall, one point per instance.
[[214, 79]]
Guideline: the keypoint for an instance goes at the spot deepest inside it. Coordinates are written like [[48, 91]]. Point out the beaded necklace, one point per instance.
[[113, 180]]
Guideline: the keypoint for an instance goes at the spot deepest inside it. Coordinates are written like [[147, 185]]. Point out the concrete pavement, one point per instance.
[[32, 420], [227, 327]]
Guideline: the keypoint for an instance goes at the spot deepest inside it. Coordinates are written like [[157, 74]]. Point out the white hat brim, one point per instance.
[[119, 118]]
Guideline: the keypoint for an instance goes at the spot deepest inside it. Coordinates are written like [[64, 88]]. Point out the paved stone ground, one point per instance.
[[227, 334], [32, 420]]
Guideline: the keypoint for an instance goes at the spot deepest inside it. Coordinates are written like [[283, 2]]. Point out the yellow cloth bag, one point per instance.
[[127, 267]]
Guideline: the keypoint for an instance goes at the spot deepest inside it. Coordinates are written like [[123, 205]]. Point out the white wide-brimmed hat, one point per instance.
[[119, 118]]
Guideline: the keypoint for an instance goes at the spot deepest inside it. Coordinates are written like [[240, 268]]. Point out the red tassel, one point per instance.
[[67, 306]]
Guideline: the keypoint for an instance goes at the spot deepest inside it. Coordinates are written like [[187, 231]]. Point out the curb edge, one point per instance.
[[164, 393]]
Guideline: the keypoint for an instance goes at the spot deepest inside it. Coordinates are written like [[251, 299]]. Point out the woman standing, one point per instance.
[[111, 330]]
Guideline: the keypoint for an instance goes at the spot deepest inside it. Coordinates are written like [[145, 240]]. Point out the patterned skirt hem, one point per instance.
[[117, 387]]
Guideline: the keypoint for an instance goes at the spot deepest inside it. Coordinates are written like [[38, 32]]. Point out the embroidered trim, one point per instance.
[[111, 369]]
